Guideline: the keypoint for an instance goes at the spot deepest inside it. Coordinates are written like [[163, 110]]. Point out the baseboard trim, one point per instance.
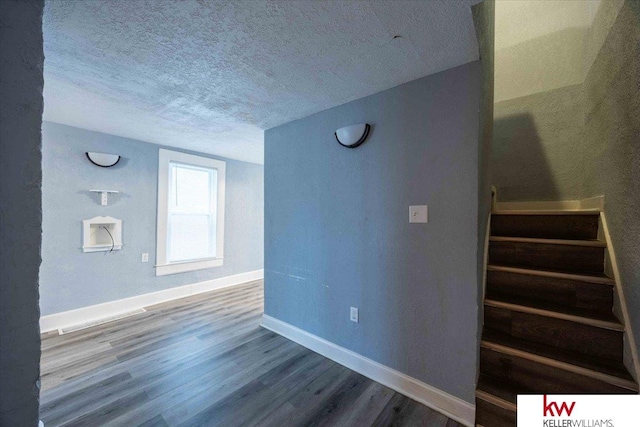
[[451, 406], [67, 319]]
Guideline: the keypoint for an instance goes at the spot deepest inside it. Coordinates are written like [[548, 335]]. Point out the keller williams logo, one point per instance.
[[548, 408]]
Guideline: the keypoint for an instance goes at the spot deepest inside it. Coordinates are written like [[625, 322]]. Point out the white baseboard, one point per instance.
[[96, 312], [451, 406], [592, 203]]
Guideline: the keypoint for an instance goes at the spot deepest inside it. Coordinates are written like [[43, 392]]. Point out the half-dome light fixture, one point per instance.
[[352, 136], [103, 160]]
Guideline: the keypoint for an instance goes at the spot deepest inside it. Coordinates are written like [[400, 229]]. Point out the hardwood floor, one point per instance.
[[205, 361]]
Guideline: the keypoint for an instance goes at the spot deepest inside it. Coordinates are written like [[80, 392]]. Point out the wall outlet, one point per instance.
[[145, 257], [354, 314]]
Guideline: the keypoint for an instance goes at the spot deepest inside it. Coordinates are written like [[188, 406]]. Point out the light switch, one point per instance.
[[419, 214]]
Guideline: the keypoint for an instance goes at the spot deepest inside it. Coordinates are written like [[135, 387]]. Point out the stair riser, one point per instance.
[[490, 415], [569, 293], [539, 377], [569, 227], [569, 258], [573, 336]]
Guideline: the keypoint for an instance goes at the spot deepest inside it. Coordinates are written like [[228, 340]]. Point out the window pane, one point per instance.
[[191, 237], [191, 189]]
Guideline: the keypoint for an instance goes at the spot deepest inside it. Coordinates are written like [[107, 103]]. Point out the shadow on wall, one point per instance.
[[522, 166]]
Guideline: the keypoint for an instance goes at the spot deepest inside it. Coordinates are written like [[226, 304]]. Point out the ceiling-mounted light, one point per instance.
[[102, 159], [352, 136]]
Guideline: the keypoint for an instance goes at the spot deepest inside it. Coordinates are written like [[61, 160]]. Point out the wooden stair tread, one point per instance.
[[548, 212], [500, 389], [597, 365], [600, 278], [589, 243], [551, 306], [587, 317]]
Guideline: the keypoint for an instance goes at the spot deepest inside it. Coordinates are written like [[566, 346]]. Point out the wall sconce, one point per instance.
[[352, 136], [103, 160]]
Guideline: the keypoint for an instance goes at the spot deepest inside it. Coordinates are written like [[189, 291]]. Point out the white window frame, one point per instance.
[[163, 266]]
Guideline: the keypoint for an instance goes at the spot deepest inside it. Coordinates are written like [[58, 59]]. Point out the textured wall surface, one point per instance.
[[21, 60], [539, 150], [337, 232], [613, 130], [540, 45], [210, 75], [70, 278]]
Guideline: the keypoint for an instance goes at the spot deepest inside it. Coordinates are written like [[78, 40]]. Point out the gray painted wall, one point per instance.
[[21, 60], [337, 231], [613, 130], [70, 278]]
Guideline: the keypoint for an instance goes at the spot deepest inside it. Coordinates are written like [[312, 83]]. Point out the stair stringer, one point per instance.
[[620, 307]]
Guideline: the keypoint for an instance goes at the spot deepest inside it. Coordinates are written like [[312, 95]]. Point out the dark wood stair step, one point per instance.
[[599, 278], [572, 256], [495, 403], [577, 366], [538, 375], [601, 338], [564, 292], [550, 225], [548, 307]]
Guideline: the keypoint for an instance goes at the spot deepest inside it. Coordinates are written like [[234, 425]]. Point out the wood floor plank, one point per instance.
[[205, 360], [402, 411], [367, 407], [107, 412], [156, 421]]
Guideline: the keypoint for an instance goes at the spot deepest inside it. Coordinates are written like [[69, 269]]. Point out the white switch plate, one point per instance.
[[354, 314], [145, 257], [419, 213]]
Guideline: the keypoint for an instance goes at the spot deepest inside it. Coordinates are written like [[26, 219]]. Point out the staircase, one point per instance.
[[548, 320]]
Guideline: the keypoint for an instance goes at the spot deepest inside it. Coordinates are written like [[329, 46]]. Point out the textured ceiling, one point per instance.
[[212, 75]]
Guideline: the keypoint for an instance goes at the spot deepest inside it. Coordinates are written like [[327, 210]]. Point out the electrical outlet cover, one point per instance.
[[354, 314]]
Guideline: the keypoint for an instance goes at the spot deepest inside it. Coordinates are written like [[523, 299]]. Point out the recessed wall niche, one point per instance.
[[102, 234]]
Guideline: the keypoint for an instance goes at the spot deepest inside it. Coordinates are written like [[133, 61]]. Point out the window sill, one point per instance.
[[183, 267]]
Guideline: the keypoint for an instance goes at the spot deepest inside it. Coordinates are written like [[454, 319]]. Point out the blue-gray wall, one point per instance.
[[337, 230], [70, 278], [21, 61]]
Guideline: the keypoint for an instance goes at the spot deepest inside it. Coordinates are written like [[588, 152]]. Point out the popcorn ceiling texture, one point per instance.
[[210, 76], [21, 83]]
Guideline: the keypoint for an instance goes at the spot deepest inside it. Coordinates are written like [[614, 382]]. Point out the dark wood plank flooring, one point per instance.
[[205, 361]]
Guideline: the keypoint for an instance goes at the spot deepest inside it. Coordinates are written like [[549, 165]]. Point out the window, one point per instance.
[[190, 213]]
